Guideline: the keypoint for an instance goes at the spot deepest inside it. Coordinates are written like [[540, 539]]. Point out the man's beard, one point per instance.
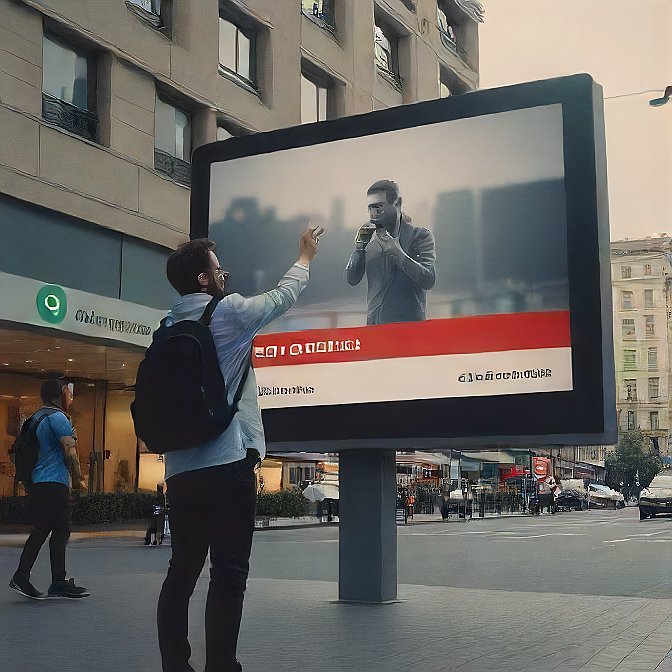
[[217, 292]]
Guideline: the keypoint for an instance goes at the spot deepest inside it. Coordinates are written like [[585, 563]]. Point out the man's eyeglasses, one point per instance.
[[221, 274]]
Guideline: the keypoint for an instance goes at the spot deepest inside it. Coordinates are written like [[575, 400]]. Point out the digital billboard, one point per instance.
[[460, 295]]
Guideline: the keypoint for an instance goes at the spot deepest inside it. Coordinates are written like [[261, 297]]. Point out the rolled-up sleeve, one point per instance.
[[256, 312]]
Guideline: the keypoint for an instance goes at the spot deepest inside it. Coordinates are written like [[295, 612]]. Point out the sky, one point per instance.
[[625, 45]]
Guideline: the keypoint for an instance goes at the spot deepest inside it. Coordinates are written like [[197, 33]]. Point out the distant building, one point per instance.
[[641, 274]]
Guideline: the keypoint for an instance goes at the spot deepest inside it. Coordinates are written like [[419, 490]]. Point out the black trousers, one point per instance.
[[210, 509], [51, 511]]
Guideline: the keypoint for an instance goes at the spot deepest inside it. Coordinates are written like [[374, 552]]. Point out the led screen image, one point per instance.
[[443, 275]]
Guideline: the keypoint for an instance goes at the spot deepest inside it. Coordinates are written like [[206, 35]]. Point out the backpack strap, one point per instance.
[[209, 310], [239, 391]]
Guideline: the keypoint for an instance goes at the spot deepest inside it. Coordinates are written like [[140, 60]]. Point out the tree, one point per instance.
[[631, 467]]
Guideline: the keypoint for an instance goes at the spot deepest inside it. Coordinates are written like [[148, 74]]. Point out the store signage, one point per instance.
[[31, 302], [52, 303]]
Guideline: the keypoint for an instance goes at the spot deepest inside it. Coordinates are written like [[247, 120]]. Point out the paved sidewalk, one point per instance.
[[292, 621], [295, 626]]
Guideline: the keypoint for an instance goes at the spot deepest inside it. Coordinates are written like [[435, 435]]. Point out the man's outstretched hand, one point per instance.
[[308, 244]]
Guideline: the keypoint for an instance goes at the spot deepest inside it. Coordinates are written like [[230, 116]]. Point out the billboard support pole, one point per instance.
[[368, 528]]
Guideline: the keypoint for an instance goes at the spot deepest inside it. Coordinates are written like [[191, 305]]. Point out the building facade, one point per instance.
[[101, 106], [641, 272]]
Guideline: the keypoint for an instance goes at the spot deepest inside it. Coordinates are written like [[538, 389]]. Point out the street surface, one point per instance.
[[589, 591]]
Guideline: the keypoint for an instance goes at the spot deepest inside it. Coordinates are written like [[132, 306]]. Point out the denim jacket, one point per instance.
[[235, 323]]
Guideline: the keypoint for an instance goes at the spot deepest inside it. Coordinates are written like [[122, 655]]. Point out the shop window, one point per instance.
[[628, 329], [237, 48], [69, 88], [654, 388], [386, 47], [630, 389], [627, 301], [172, 141], [321, 12], [648, 298], [650, 323], [626, 271]]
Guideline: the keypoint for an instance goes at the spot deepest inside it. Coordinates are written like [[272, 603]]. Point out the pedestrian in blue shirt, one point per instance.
[[56, 472], [212, 488]]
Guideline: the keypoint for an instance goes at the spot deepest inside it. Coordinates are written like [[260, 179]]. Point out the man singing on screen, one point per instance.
[[399, 260]]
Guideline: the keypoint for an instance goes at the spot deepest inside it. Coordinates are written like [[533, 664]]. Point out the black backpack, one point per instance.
[[26, 448], [180, 394]]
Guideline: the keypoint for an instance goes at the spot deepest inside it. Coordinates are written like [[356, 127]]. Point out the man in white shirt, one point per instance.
[[211, 488]]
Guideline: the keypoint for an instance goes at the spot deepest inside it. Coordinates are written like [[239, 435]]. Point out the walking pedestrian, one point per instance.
[[57, 471], [212, 487]]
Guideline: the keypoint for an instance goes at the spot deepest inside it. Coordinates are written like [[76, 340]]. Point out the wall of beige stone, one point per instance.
[[114, 185]]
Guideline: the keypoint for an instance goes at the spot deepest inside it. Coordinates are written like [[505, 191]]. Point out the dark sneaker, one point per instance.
[[67, 589], [24, 587]]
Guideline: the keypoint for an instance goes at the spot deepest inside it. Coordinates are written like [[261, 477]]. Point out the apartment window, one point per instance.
[[653, 359], [629, 360], [320, 11], [653, 420], [237, 49], [627, 300], [647, 269], [386, 47], [449, 28], [172, 141], [630, 389], [628, 328], [654, 388], [631, 420], [150, 11], [626, 271], [648, 298], [68, 88], [650, 325], [314, 98]]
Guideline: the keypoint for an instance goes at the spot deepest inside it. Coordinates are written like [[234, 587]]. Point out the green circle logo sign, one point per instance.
[[52, 303]]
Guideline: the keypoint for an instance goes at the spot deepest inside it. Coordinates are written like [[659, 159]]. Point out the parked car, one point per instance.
[[571, 500], [604, 497], [657, 498]]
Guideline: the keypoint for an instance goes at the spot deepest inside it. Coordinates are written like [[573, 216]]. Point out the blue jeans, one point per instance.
[[210, 509]]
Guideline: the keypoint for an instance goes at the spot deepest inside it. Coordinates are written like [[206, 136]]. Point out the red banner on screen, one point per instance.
[[461, 335]]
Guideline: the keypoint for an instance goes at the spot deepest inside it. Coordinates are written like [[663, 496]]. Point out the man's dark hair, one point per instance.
[[390, 188], [51, 389], [187, 262]]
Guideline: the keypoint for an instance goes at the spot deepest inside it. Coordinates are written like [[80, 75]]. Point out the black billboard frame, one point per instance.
[[584, 416]]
